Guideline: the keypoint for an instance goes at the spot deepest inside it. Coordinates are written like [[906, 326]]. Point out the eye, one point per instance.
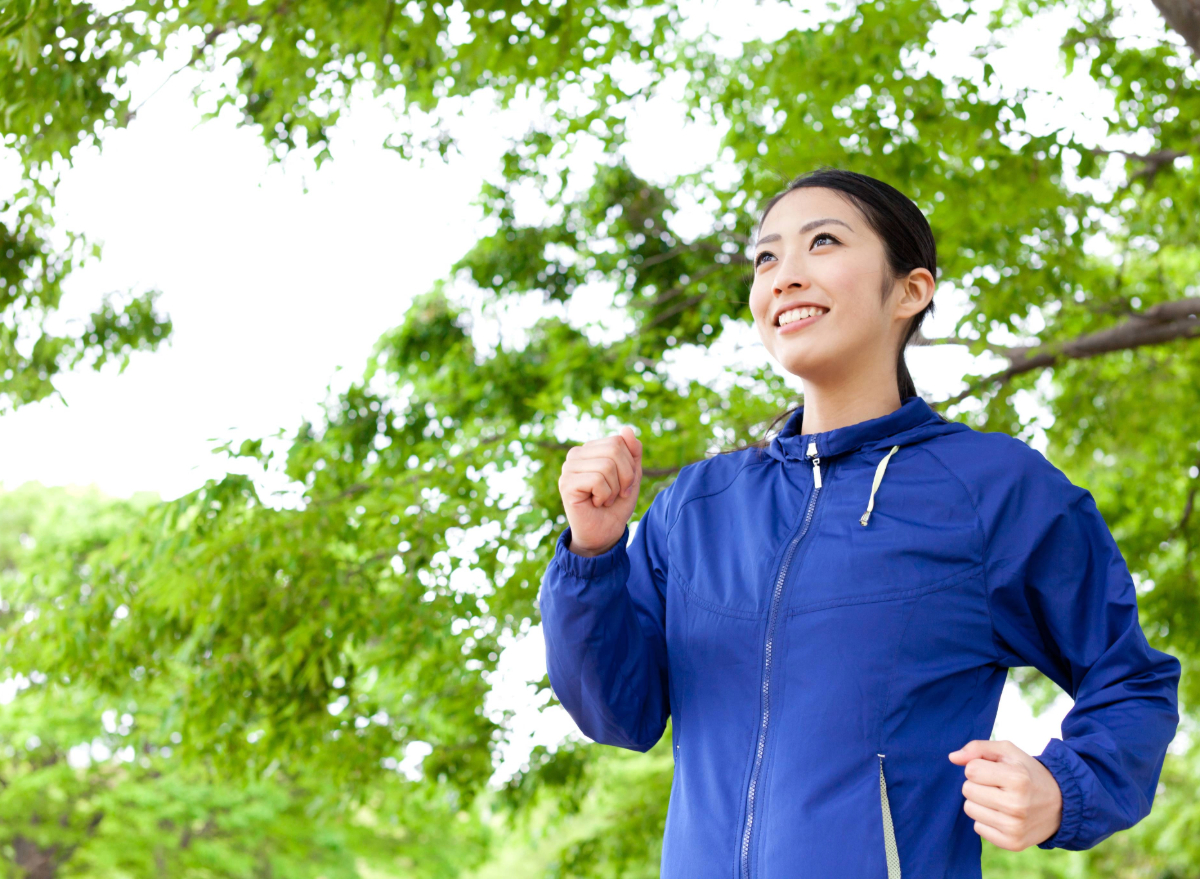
[[758, 259], [821, 235]]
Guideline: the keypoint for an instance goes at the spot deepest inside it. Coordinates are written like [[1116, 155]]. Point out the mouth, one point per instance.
[[796, 319]]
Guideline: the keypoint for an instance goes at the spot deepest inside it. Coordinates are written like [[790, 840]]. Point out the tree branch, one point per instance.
[[197, 54], [1164, 322], [669, 254], [387, 29], [1187, 508], [1152, 161], [674, 310]]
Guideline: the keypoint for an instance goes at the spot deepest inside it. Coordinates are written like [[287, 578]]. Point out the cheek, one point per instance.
[[760, 300], [842, 278], [855, 293]]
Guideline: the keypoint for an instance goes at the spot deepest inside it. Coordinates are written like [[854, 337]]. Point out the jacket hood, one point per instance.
[[914, 422]]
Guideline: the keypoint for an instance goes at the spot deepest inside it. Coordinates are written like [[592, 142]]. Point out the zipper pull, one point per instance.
[[816, 459]]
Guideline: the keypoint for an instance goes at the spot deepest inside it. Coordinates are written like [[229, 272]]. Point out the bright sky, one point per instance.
[[277, 293]]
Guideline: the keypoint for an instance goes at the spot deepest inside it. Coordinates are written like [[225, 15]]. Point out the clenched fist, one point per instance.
[[1013, 798], [599, 487]]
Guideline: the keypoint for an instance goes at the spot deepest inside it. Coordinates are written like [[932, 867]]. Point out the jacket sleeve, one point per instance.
[[603, 623], [1062, 600]]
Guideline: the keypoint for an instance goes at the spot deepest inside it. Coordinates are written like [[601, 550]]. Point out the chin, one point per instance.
[[804, 367], [805, 362]]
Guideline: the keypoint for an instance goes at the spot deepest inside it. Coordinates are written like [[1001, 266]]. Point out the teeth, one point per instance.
[[796, 314]]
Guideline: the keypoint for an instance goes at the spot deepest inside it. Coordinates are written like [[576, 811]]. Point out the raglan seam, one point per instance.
[[670, 527], [624, 539], [685, 583], [684, 503]]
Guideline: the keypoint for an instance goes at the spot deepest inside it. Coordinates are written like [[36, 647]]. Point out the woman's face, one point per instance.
[[815, 249]]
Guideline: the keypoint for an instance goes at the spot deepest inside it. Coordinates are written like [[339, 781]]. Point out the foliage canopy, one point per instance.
[[317, 641]]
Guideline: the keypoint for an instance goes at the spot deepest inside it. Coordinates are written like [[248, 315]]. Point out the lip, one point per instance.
[[797, 325], [788, 306]]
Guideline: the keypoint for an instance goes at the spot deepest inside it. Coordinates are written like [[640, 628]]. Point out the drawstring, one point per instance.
[[875, 484]]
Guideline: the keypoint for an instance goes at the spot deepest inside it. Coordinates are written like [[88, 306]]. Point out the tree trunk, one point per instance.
[[37, 862], [1184, 18]]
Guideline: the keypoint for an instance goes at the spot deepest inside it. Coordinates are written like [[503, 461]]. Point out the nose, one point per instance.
[[789, 275]]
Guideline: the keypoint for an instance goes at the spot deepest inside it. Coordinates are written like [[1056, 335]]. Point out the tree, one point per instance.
[[390, 587], [93, 783]]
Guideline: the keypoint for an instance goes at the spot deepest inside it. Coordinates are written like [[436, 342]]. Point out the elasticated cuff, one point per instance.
[[1059, 759], [588, 567]]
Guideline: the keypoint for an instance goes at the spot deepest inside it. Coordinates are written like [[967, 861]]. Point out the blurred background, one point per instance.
[[302, 303]]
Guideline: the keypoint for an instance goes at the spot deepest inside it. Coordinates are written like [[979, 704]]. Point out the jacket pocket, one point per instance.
[[889, 834]]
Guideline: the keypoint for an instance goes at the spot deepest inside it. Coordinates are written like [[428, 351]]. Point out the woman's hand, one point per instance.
[[599, 487], [1013, 798]]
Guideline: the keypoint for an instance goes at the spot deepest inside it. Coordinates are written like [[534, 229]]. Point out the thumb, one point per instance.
[[633, 443], [635, 449], [979, 748]]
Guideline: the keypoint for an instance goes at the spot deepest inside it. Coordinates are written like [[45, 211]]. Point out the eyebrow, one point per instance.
[[807, 227]]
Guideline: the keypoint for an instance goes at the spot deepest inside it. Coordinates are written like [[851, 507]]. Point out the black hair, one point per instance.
[[907, 243]]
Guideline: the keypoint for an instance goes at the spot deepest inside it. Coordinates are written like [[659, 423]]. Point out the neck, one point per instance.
[[839, 403]]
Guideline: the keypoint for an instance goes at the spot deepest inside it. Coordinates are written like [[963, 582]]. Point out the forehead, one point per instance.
[[810, 203]]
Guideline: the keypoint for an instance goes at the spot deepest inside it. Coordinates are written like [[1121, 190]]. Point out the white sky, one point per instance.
[[277, 293]]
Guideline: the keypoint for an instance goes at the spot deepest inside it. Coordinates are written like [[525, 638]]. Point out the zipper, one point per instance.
[[766, 684]]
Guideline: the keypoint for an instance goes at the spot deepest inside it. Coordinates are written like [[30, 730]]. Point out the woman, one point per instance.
[[829, 617]]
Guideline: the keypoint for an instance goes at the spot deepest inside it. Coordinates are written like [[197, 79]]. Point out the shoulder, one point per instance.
[[1015, 489], [991, 460], [706, 477]]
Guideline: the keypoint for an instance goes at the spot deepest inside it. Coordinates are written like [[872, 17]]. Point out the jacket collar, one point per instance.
[[913, 421]]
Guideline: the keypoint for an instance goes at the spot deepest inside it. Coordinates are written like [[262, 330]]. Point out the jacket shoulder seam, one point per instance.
[[984, 545], [685, 502]]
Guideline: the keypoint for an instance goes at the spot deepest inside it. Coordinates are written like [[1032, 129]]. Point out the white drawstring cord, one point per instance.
[[875, 484]]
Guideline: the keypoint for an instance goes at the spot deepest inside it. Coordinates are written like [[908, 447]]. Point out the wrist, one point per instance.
[[588, 567], [590, 552]]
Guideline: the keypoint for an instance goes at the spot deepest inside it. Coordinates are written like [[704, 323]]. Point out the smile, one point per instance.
[[798, 318]]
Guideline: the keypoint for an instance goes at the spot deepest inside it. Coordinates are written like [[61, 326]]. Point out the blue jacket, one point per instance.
[[826, 619]]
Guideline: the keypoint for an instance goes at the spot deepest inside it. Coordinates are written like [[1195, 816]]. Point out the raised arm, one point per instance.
[[603, 613]]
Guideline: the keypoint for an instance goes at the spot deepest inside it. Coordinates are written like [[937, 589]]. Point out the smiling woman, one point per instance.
[[831, 645], [860, 256]]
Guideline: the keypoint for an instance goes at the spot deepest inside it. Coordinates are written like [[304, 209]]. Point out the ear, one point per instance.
[[914, 292]]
